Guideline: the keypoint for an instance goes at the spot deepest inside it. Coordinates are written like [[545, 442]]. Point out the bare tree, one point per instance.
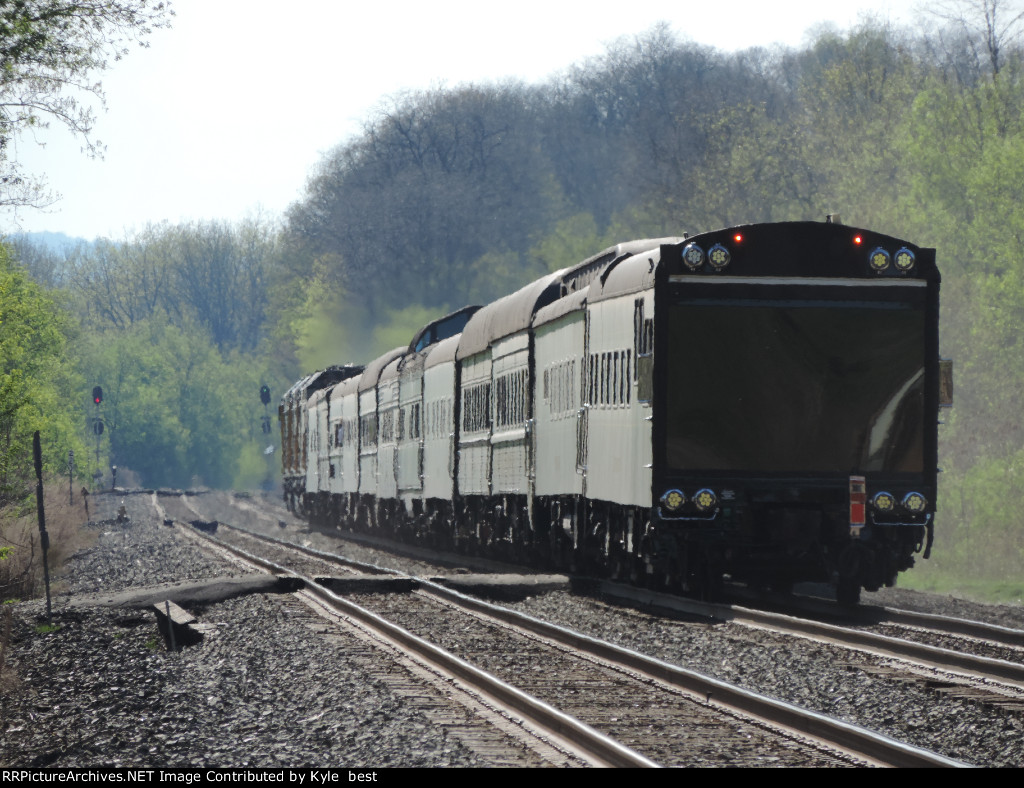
[[995, 25]]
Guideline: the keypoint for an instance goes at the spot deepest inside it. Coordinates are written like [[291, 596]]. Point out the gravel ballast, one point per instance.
[[265, 690]]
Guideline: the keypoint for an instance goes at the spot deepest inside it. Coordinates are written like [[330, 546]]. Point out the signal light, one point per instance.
[[693, 256], [705, 500], [719, 257], [879, 260], [97, 394], [883, 502], [672, 500], [904, 259], [915, 503], [265, 394]]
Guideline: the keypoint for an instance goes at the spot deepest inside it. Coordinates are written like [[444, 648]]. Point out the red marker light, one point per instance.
[[858, 240], [738, 238]]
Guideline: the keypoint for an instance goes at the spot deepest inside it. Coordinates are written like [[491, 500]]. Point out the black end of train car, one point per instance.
[[796, 386]]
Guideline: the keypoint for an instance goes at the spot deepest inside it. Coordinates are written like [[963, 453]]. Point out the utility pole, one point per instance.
[[44, 538]]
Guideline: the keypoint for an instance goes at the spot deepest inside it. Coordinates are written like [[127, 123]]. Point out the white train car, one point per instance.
[[495, 357], [388, 426], [559, 427], [409, 459], [674, 410], [345, 444], [316, 449], [369, 433]]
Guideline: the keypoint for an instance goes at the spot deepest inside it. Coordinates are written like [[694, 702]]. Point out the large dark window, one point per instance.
[[806, 387]]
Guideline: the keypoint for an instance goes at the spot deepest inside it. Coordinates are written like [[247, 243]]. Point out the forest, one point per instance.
[[460, 194]]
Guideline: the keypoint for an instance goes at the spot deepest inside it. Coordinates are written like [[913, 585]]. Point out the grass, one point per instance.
[[977, 589], [21, 558], [980, 564]]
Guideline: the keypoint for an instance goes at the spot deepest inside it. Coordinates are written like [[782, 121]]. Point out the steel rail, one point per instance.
[[845, 736], [998, 670], [598, 747], [1004, 636], [832, 732]]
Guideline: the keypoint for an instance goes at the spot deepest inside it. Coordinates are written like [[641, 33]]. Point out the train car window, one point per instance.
[[476, 407], [624, 379], [387, 426], [368, 429], [797, 387], [602, 393]]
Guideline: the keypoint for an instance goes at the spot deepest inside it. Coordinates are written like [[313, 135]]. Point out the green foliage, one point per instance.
[[462, 195], [570, 241], [178, 411], [35, 378], [49, 53]]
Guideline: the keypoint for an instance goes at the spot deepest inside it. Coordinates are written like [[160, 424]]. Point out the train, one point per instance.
[[757, 404]]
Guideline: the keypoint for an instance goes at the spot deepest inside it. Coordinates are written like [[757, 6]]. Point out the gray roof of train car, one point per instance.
[[441, 352], [349, 386], [372, 372], [582, 274], [516, 312], [390, 371], [504, 317], [562, 306], [631, 275]]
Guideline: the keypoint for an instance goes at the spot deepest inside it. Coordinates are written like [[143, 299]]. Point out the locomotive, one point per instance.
[[759, 402]]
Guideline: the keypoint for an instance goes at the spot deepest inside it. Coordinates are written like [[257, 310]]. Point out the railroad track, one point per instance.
[[667, 714], [1002, 677]]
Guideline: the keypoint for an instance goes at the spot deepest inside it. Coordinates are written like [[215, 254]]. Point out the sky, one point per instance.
[[226, 114]]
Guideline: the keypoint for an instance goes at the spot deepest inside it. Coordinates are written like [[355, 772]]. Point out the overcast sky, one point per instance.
[[226, 113]]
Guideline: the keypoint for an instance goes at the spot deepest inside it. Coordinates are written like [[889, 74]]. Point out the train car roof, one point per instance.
[[444, 327], [346, 387], [563, 306], [317, 397], [631, 275], [372, 372], [582, 274], [508, 315], [443, 351], [390, 372], [321, 379]]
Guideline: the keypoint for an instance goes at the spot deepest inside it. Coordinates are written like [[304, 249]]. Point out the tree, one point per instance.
[[49, 52], [994, 25], [35, 378]]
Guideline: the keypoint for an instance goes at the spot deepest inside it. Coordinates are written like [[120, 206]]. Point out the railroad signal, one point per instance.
[[97, 426], [265, 394], [97, 394]]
